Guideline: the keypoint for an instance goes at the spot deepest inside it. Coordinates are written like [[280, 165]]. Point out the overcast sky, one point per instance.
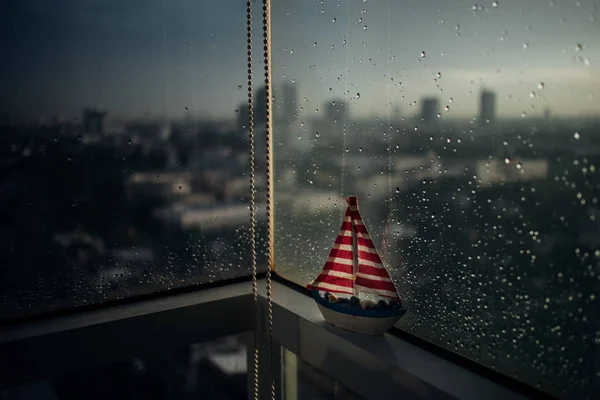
[[161, 56]]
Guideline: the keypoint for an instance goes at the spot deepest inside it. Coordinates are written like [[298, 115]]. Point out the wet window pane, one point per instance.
[[471, 134], [123, 150], [215, 370]]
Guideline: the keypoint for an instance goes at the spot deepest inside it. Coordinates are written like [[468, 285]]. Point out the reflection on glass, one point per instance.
[[123, 147], [215, 370], [471, 135], [302, 381]]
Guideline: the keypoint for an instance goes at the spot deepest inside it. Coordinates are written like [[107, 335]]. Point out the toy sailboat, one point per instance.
[[354, 268]]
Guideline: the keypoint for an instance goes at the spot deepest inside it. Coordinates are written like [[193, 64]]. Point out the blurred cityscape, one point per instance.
[[489, 225], [98, 208]]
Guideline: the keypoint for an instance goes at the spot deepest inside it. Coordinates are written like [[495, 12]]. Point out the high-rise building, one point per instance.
[[336, 110], [243, 114], [259, 113], [487, 106], [429, 110], [93, 121], [286, 103]]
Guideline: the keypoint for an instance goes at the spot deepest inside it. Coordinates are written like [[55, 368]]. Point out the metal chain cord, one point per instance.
[[269, 167], [252, 197]]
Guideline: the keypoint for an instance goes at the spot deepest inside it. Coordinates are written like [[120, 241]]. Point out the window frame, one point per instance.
[[430, 371], [393, 364]]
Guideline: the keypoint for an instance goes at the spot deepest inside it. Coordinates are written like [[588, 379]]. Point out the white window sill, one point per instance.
[[373, 367]]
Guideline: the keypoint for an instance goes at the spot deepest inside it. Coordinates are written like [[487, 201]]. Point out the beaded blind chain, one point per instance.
[[269, 202]]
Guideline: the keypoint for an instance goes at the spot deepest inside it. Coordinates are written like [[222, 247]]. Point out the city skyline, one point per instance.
[[177, 59]]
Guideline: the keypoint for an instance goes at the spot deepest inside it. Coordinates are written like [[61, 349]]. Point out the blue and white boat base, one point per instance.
[[355, 319]]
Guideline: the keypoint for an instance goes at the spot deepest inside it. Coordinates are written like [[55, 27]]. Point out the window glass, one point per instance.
[[303, 381], [124, 149], [470, 133], [215, 370]]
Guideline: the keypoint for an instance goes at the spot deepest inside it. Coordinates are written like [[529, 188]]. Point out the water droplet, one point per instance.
[[576, 135], [317, 135], [578, 47], [438, 75], [397, 190], [586, 62], [523, 114], [315, 44], [447, 108], [507, 160], [525, 46], [495, 4], [532, 94], [541, 85], [363, 11], [334, 20], [358, 95], [364, 28], [422, 54]]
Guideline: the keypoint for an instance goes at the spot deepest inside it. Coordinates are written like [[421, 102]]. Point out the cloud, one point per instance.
[[570, 75]]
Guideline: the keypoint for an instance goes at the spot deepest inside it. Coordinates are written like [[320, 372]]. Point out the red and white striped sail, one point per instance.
[[371, 276], [338, 274]]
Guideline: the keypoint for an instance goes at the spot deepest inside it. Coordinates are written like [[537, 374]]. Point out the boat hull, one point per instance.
[[369, 322]]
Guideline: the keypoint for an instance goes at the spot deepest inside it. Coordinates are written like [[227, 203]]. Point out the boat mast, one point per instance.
[[354, 259]]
